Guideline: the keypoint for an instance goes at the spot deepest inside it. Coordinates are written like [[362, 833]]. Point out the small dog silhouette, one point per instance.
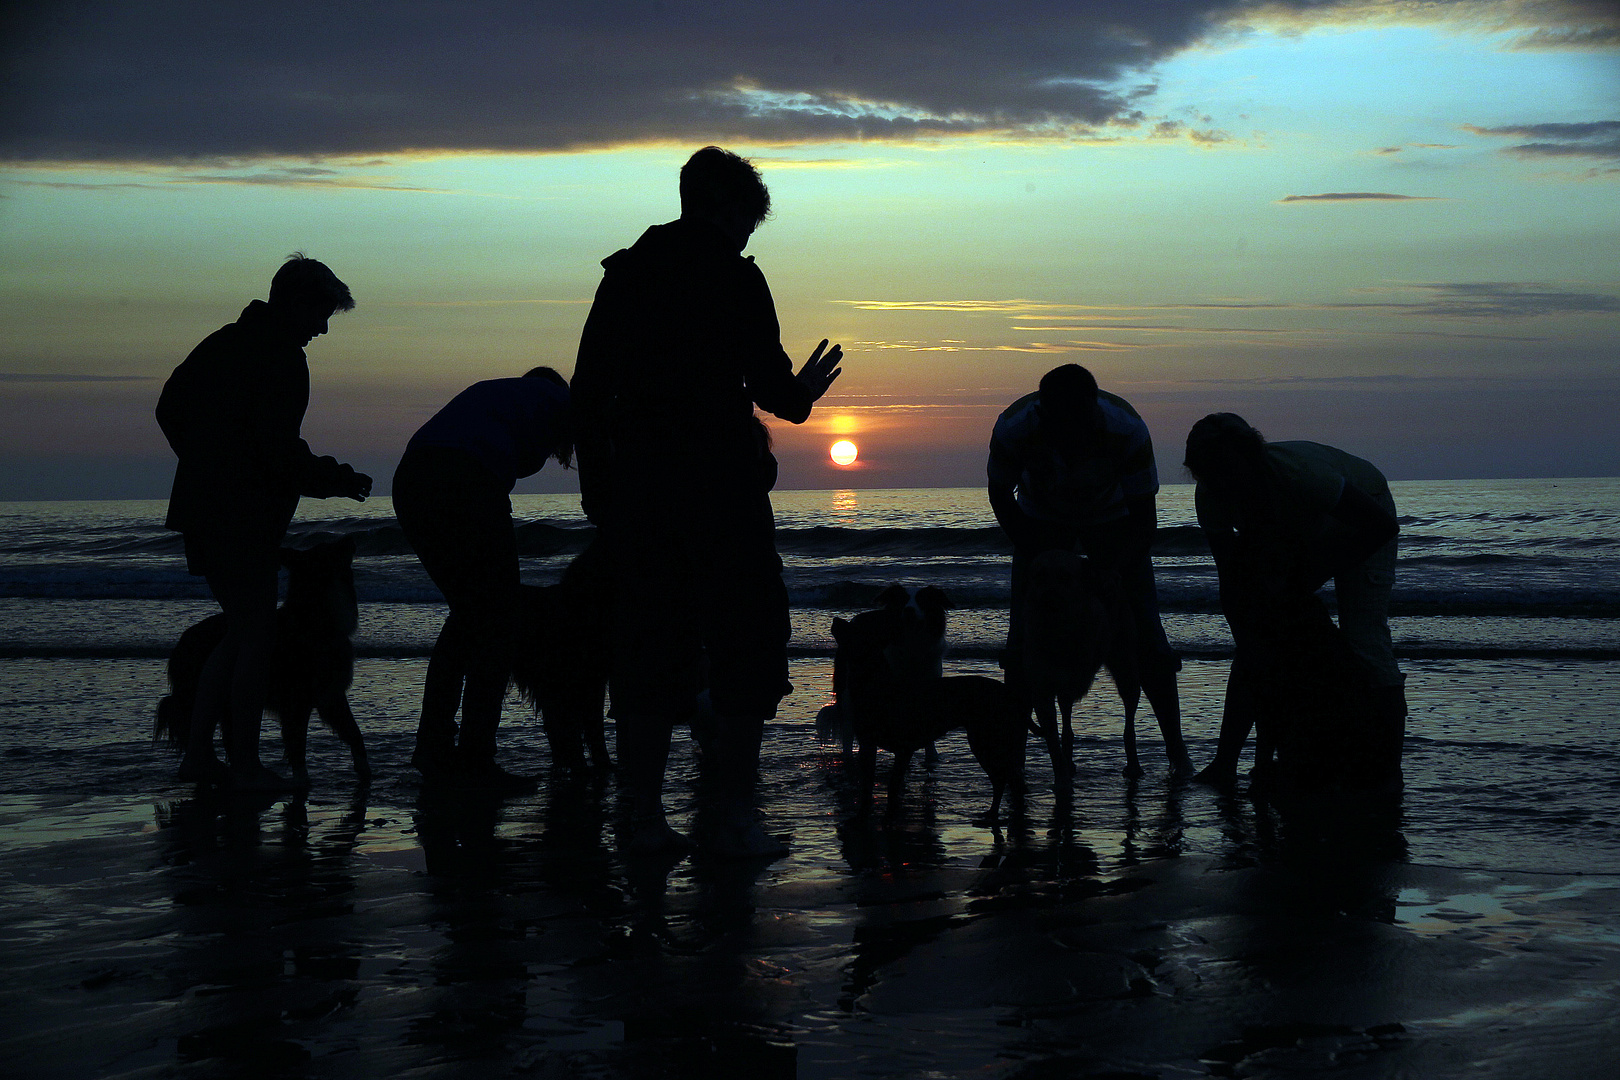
[[561, 663], [893, 704], [311, 667]]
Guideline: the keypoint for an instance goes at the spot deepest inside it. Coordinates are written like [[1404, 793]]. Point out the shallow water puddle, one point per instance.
[[1507, 914]]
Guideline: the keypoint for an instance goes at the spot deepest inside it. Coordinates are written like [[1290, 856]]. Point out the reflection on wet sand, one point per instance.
[[1148, 930]]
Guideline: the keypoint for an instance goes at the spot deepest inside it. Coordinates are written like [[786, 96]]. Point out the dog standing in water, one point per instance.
[[311, 667], [914, 631], [1072, 632], [560, 666], [891, 695]]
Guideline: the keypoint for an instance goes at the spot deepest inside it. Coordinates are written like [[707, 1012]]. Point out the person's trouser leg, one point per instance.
[[1363, 596], [241, 664], [744, 616], [441, 698]]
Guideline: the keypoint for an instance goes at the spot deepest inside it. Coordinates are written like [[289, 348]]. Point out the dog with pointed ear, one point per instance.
[[891, 694], [311, 665]]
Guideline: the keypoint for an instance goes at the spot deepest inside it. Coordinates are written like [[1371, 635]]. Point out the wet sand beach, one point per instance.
[[1472, 930]]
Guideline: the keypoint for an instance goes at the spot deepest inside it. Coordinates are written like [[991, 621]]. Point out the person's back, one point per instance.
[[231, 411], [683, 337], [510, 426], [1081, 489]]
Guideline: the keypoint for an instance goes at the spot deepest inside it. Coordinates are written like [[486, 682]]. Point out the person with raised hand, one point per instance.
[[681, 344]]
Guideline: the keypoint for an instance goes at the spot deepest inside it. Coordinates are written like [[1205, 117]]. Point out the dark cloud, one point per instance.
[[1600, 138], [175, 80], [1357, 196], [185, 80]]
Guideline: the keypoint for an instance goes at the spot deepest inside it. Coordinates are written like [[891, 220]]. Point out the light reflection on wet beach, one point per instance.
[[386, 931]]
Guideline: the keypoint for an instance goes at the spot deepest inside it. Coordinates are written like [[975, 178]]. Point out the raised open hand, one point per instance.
[[820, 370]]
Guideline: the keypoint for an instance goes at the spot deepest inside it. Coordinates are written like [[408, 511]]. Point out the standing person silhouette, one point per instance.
[[452, 499], [681, 343], [1284, 517], [232, 412], [1071, 468]]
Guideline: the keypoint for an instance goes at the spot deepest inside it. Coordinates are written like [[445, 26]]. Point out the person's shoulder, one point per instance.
[[1020, 413], [1114, 402], [1017, 423], [1120, 418]]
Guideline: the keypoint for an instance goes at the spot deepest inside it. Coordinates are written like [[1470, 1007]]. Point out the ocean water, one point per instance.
[[150, 929], [1508, 623], [1488, 568]]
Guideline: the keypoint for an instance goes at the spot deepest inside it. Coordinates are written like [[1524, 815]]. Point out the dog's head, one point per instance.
[[906, 634]]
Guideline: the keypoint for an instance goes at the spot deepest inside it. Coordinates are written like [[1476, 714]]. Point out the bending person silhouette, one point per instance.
[[1282, 519], [1071, 468], [681, 343], [452, 499], [232, 412]]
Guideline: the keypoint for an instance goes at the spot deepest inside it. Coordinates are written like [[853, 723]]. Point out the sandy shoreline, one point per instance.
[[1161, 932]]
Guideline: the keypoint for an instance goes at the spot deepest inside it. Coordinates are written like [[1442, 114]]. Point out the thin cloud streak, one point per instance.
[[39, 377], [1359, 196], [1599, 138], [1487, 299]]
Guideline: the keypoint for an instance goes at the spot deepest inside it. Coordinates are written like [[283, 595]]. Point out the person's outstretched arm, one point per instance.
[[276, 413], [767, 370], [1003, 470]]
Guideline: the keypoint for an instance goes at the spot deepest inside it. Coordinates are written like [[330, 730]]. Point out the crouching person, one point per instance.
[[1281, 520], [452, 498]]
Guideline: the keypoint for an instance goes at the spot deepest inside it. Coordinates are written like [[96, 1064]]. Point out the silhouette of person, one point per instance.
[[1071, 468], [675, 471], [452, 499], [1281, 518], [232, 412]]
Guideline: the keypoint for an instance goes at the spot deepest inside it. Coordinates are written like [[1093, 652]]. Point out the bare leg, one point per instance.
[[1165, 698], [643, 755], [737, 832], [441, 697]]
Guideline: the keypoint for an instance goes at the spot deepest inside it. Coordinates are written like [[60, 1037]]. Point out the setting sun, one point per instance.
[[844, 452]]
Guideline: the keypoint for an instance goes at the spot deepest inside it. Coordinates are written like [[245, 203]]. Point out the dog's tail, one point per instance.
[[173, 721]]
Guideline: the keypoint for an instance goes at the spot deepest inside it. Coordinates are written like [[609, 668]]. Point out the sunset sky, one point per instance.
[[1390, 226]]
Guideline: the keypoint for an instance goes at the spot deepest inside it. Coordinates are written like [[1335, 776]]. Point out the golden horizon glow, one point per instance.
[[844, 452]]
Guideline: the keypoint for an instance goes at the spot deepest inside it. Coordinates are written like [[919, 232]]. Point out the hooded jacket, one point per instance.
[[232, 412], [681, 343]]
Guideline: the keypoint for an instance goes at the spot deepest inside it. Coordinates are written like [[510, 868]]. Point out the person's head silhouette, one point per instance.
[[304, 294], [726, 191], [1225, 451], [1068, 409]]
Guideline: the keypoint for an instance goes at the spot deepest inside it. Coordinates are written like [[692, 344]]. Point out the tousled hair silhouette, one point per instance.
[[714, 179]]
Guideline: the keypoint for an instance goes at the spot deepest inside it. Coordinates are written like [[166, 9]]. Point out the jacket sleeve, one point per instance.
[[591, 396], [276, 413], [766, 368]]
